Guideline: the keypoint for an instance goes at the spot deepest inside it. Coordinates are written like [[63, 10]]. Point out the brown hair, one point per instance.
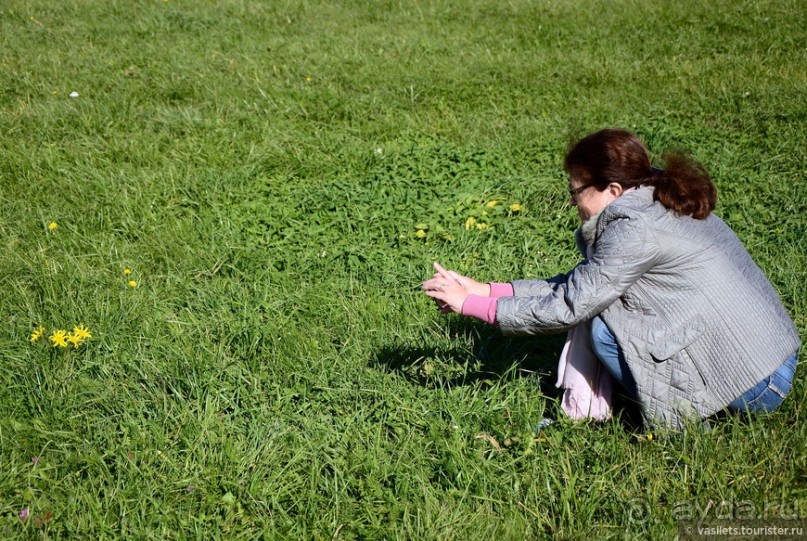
[[613, 155]]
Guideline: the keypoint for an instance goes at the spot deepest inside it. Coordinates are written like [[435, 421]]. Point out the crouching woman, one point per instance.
[[672, 305]]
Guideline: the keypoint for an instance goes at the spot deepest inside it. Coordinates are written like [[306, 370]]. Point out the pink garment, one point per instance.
[[484, 308], [498, 289], [587, 384]]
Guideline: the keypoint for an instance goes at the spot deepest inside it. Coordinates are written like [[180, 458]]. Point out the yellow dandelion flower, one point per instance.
[[59, 338], [132, 283], [492, 203], [481, 225], [127, 272], [74, 339], [420, 234], [81, 332], [37, 334], [516, 207], [469, 223], [52, 226]]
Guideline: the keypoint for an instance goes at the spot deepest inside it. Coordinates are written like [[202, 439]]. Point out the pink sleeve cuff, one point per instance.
[[501, 290], [482, 308]]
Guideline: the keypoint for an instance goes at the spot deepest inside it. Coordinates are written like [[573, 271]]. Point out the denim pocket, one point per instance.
[[768, 400]]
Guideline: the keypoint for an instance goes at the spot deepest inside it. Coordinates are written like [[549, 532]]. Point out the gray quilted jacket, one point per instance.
[[697, 320]]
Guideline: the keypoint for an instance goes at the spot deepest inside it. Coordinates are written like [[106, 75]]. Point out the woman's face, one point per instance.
[[589, 200]]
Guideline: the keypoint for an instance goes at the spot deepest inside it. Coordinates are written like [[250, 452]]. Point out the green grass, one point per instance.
[[264, 169]]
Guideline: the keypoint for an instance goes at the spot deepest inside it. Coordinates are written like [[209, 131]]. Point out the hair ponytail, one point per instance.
[[613, 155], [684, 186]]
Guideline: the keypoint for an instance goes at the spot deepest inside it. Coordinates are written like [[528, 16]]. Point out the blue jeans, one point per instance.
[[605, 347], [765, 396]]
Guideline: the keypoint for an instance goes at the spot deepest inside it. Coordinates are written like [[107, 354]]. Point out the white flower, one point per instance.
[[74, 94]]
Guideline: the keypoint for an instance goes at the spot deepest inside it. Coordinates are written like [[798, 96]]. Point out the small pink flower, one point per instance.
[[35, 459], [24, 514]]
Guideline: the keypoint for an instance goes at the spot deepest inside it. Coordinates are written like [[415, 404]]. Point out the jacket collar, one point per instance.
[[586, 234]]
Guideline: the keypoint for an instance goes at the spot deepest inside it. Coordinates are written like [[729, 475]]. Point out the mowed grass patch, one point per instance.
[[278, 177]]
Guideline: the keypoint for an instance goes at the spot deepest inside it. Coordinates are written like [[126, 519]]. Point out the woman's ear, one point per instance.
[[615, 190]]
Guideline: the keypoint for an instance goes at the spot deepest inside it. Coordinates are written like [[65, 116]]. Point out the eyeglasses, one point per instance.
[[574, 192]]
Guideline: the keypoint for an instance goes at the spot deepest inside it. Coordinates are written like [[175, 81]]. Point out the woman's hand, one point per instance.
[[450, 289]]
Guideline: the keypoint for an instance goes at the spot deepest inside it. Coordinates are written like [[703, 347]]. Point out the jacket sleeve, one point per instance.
[[622, 254], [537, 288]]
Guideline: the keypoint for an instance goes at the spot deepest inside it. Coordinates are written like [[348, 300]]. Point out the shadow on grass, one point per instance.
[[477, 354]]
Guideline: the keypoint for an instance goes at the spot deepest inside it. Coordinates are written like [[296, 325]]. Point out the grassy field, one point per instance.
[[278, 177]]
